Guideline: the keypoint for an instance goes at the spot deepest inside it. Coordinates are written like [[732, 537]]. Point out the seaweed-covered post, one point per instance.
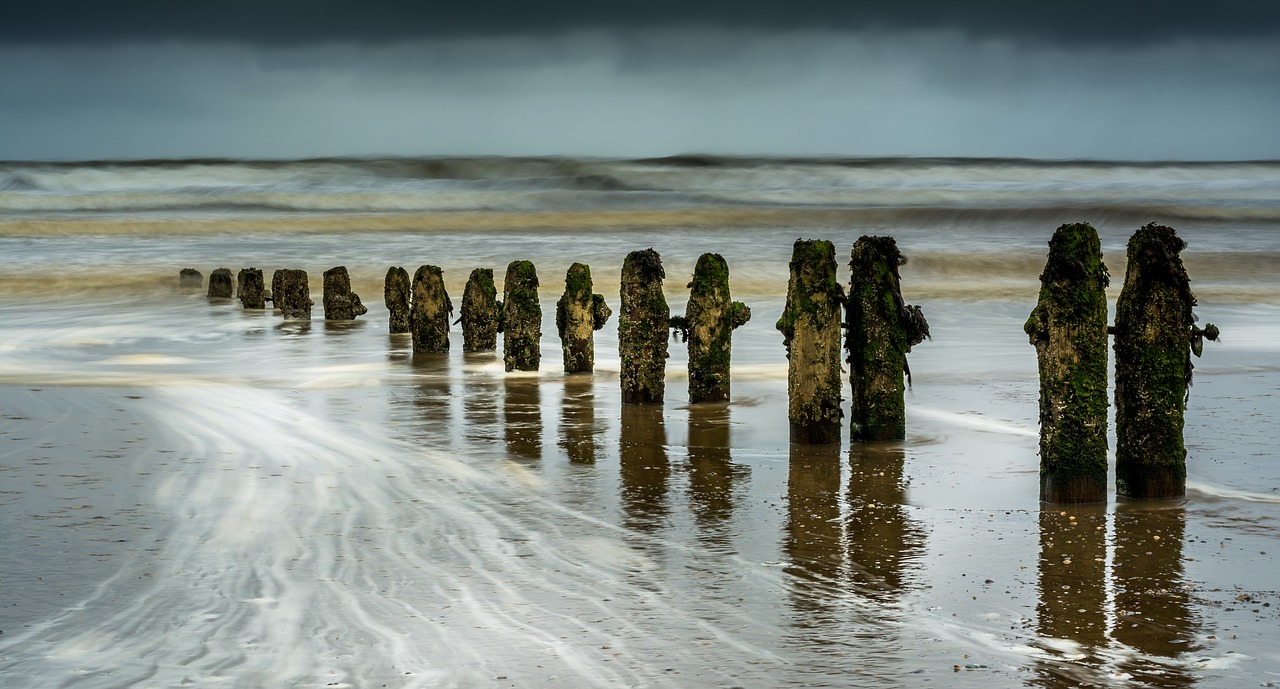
[[881, 329], [521, 318], [190, 278], [1155, 335], [340, 303], [708, 324], [251, 289], [277, 282], [579, 313], [293, 295], [810, 326], [431, 309], [481, 312], [396, 289], [643, 322], [220, 285], [1069, 330]]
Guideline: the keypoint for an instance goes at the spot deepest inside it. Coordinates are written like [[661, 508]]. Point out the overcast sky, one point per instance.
[[280, 78]]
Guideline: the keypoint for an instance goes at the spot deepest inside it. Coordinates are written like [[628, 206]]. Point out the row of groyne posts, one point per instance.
[[870, 327]]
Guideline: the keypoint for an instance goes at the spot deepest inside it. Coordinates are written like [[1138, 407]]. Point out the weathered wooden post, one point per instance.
[[396, 291], [579, 313], [430, 312], [293, 296], [277, 282], [481, 312], [220, 285], [521, 318], [190, 278], [1155, 334], [251, 289], [1069, 330], [881, 328], [810, 326], [708, 324], [340, 303], [643, 323]]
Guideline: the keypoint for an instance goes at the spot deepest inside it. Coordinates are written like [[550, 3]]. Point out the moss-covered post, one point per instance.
[[293, 296], [481, 312], [881, 328], [578, 314], [1155, 334], [190, 278], [707, 325], [251, 289], [396, 291], [1069, 330], [430, 312], [277, 283], [340, 303], [643, 322], [810, 327], [521, 318], [220, 285]]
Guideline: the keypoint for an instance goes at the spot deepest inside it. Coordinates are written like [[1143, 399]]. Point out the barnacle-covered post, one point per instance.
[[521, 318], [579, 313], [708, 324], [251, 289], [293, 295], [1155, 335], [430, 312], [190, 278], [1069, 330], [810, 326], [396, 291], [881, 329], [220, 286], [340, 303], [481, 312], [643, 322]]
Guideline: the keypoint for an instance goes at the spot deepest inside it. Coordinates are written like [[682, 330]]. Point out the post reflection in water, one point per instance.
[[480, 402], [1128, 619], [882, 538], [579, 435], [644, 471], [713, 477], [432, 401], [522, 417], [814, 541]]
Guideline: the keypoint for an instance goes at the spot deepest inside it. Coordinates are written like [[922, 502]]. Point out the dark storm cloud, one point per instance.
[[296, 22]]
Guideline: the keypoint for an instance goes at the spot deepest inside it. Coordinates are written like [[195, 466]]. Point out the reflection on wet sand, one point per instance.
[[882, 539], [432, 401], [644, 471], [480, 402], [522, 417], [579, 435], [713, 477], [1071, 611]]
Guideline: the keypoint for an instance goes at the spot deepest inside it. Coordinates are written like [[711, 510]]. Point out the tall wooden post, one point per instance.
[[1069, 330], [521, 319], [251, 289], [810, 326], [430, 312], [293, 296], [1155, 334], [579, 313], [340, 303], [481, 312], [396, 291], [881, 329], [643, 323], [708, 324]]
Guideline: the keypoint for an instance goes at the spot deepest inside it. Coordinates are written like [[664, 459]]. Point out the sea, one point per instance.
[[193, 494]]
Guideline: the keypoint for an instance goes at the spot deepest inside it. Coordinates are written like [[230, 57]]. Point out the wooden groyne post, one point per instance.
[[430, 312], [1155, 335], [521, 320], [340, 303], [1069, 330], [881, 328], [293, 294], [252, 289], [644, 320], [810, 327], [190, 278], [579, 313], [708, 324], [481, 312], [220, 284], [396, 296]]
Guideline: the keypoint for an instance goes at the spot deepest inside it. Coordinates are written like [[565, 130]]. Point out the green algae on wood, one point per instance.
[[340, 303], [220, 285], [252, 289], [521, 319], [481, 312], [881, 329], [1069, 330], [708, 324], [810, 327], [396, 291], [579, 313], [430, 312], [293, 294], [643, 321], [1155, 335]]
